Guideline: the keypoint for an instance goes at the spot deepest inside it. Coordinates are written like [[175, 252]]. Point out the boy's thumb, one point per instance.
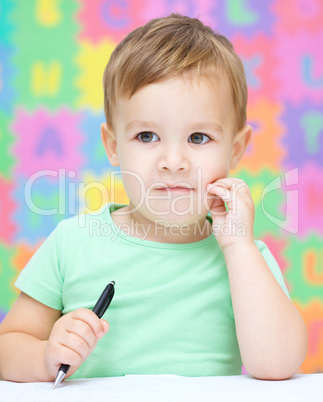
[[105, 326]]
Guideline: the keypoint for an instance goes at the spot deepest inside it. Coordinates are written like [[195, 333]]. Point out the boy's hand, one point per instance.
[[72, 340], [235, 225]]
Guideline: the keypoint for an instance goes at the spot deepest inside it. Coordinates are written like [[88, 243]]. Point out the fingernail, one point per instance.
[[101, 333]]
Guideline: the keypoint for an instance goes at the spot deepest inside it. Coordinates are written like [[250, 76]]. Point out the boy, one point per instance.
[[191, 298]]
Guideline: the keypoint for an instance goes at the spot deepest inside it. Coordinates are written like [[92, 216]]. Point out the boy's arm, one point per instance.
[[35, 340], [271, 333], [23, 338]]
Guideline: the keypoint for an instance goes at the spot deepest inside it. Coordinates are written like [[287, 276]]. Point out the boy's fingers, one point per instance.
[[68, 356], [82, 329], [76, 344], [105, 326], [90, 318]]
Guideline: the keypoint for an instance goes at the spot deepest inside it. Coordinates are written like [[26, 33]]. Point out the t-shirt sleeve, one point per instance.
[[273, 265], [41, 278]]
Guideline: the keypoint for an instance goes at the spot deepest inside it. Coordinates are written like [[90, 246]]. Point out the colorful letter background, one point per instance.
[[52, 162]]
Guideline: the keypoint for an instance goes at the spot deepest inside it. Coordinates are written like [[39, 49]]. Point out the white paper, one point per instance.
[[169, 388]]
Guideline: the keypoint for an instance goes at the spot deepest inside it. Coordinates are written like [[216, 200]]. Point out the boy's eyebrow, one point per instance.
[[196, 126], [207, 126], [137, 123]]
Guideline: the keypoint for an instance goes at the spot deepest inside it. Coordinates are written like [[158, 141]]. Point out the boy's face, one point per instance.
[[178, 132]]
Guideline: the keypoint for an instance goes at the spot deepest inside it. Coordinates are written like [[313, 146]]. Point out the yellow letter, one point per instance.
[[48, 12], [45, 81]]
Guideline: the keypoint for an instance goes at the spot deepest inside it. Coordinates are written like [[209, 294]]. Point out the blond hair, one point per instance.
[[167, 47]]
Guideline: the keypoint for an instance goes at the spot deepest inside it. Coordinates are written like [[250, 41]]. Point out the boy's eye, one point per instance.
[[197, 138], [146, 136]]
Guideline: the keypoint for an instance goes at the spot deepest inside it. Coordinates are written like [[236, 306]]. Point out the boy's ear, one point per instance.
[[240, 144], [110, 144]]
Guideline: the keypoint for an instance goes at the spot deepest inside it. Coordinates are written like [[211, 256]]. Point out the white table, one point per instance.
[[169, 388]]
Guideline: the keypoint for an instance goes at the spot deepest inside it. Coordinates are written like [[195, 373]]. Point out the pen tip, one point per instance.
[[59, 378], [113, 282]]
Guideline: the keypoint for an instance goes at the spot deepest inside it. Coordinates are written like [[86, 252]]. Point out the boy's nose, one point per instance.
[[173, 160]]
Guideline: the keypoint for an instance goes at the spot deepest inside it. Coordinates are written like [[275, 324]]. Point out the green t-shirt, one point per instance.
[[171, 312]]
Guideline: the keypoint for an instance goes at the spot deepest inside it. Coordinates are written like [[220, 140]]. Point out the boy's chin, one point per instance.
[[176, 208], [166, 213], [179, 220]]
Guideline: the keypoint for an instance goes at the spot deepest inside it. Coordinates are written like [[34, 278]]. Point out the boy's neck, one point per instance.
[[135, 225]]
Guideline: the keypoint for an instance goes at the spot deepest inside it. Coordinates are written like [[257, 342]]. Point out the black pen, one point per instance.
[[99, 309]]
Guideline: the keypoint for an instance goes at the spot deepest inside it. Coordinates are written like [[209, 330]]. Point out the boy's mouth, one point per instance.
[[175, 188]]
